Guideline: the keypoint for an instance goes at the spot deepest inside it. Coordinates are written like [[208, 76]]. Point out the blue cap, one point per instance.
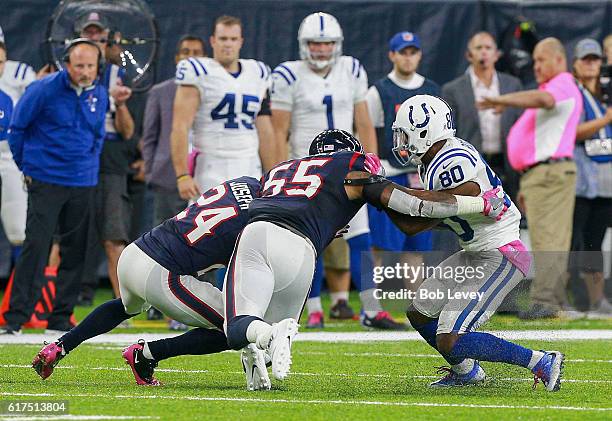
[[402, 40]]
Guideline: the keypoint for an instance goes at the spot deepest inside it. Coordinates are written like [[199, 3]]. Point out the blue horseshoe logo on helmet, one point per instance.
[[424, 123]]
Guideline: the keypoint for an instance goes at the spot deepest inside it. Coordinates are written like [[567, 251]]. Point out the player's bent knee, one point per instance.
[[236, 331], [415, 317]]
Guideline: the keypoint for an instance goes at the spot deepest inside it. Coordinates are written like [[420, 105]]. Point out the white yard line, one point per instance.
[[303, 374], [334, 337], [322, 402], [74, 417]]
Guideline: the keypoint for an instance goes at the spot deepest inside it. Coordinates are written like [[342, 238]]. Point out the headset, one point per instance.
[[77, 41]]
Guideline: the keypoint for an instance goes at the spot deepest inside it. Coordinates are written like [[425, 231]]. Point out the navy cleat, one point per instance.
[[452, 379], [550, 370]]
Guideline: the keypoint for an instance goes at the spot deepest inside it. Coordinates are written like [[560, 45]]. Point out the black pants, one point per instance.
[[51, 206]]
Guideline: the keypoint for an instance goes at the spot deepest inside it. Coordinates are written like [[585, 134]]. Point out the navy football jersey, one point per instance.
[[202, 236], [308, 195]]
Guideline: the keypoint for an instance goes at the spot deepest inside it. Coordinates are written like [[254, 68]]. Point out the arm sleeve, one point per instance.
[[281, 97], [375, 109], [190, 72], [26, 110], [150, 131]]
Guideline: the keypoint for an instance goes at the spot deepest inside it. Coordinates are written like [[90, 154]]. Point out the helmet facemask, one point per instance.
[[320, 27], [315, 62], [406, 152]]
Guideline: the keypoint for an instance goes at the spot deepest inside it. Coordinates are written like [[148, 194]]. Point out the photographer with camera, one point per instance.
[[593, 156]]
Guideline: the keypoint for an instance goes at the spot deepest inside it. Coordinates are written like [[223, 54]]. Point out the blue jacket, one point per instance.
[[56, 135], [6, 109]]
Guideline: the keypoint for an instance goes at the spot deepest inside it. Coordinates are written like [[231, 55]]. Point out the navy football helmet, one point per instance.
[[334, 140]]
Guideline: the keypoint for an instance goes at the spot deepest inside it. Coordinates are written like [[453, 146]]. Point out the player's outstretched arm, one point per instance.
[[385, 194]]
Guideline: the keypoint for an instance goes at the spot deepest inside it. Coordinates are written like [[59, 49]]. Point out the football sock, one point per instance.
[[362, 262], [102, 319], [428, 332], [337, 296], [486, 347], [371, 305], [15, 252], [240, 332], [313, 305], [197, 341], [317, 279]]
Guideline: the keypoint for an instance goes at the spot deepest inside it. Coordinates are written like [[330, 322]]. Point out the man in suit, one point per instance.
[[159, 172], [485, 129]]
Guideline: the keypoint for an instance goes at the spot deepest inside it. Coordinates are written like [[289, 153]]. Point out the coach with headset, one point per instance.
[[56, 136]]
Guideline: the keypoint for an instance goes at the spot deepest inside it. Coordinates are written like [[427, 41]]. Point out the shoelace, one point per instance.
[[444, 369]]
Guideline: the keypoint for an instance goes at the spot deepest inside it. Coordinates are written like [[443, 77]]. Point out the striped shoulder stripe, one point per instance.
[[197, 64], [276, 72], [435, 168], [16, 75], [445, 154], [288, 71], [262, 70], [25, 71], [356, 67]]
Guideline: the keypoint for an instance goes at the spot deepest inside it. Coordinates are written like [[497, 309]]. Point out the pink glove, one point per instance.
[[373, 165], [494, 203]]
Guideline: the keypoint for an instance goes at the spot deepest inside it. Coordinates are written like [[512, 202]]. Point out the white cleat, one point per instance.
[[254, 365], [279, 346]]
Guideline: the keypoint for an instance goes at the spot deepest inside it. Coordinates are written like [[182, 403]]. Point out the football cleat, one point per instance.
[[315, 320], [254, 365], [550, 370], [341, 311], [382, 321], [278, 344], [142, 367], [452, 379], [47, 358]]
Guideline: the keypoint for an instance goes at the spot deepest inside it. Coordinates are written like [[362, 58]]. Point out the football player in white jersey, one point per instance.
[[223, 100], [14, 79], [326, 90], [465, 299]]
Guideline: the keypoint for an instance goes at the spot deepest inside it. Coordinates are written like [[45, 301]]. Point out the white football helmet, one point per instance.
[[320, 27], [420, 122]]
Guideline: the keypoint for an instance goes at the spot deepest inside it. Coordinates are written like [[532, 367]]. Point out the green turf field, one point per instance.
[[328, 381], [372, 380]]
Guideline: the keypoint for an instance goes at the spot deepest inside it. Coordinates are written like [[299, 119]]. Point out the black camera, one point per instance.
[[606, 83]]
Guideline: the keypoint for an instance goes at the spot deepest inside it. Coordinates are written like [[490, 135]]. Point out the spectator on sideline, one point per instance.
[[484, 129], [384, 98], [14, 79], [159, 172], [541, 148], [594, 186], [56, 136], [112, 204]]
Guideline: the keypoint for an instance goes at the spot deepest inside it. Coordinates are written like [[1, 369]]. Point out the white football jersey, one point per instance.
[[224, 125], [15, 79], [456, 163], [317, 103]]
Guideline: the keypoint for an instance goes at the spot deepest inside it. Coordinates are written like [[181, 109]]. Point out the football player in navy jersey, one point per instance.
[[159, 269], [304, 203]]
